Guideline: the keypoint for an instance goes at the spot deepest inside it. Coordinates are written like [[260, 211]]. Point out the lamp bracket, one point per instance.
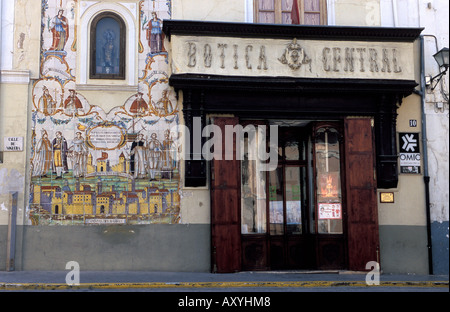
[[429, 80]]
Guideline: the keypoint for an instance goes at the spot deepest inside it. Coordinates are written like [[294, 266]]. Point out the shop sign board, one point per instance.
[[409, 153], [291, 58]]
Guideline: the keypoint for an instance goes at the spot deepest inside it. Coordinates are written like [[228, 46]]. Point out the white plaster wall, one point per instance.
[[13, 123], [355, 12], [195, 206], [438, 151], [26, 37], [433, 16], [211, 10], [435, 19], [6, 33], [15, 75]]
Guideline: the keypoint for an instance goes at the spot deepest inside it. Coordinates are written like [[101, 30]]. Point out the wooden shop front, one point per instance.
[[327, 98]]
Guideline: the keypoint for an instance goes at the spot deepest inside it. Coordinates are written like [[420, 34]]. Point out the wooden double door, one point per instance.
[[294, 215], [284, 241]]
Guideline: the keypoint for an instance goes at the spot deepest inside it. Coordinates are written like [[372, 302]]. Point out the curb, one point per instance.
[[309, 284]]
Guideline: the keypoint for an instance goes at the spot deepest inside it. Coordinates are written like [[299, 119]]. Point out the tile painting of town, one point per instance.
[[89, 166]]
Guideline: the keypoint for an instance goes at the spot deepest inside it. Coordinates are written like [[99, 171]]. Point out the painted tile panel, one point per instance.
[[89, 166]]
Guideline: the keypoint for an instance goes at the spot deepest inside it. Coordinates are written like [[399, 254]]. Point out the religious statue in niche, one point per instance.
[[59, 148], [59, 26], [109, 51], [155, 35]]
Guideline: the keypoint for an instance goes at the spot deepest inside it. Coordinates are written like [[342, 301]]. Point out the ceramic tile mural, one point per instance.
[[91, 166]]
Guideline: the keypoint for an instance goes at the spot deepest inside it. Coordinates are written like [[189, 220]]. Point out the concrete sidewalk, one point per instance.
[[56, 280]]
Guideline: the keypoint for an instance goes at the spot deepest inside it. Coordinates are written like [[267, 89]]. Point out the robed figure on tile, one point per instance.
[[42, 158], [139, 106], [138, 159], [79, 153], [46, 103], [72, 105], [163, 106], [59, 26], [155, 36], [154, 152], [59, 149]]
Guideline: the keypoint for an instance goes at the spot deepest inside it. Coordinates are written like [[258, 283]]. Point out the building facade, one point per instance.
[[223, 136]]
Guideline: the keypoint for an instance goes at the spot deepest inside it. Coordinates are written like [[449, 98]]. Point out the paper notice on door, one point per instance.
[[330, 211]]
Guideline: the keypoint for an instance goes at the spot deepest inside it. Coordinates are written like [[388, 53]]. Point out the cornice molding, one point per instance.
[[15, 76], [252, 30], [107, 88], [292, 85]]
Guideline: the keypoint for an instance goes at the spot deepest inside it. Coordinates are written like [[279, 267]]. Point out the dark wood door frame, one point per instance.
[[225, 207], [331, 249], [361, 191], [298, 99]]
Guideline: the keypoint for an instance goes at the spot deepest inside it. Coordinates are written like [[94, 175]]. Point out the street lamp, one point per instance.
[[441, 58]]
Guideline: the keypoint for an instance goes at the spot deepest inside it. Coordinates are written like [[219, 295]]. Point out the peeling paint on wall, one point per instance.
[[11, 181], [89, 166]]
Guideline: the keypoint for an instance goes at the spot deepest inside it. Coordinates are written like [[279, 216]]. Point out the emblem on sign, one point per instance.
[[294, 56], [409, 142]]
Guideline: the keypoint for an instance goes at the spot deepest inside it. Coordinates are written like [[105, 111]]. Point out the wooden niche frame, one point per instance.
[[93, 47]]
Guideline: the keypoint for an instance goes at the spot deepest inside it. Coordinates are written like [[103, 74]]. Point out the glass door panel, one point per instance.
[[329, 197], [253, 191], [285, 212], [291, 151], [293, 200], [293, 145], [276, 211]]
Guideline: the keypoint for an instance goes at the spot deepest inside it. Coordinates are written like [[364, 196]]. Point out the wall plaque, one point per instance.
[[106, 137], [387, 197], [13, 144]]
